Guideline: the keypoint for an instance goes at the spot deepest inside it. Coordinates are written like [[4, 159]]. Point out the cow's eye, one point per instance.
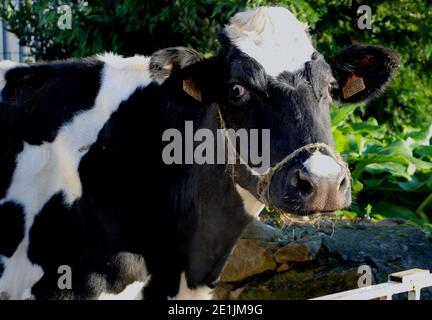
[[237, 91]]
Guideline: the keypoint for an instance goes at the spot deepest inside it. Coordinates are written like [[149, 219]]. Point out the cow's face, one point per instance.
[[295, 107], [269, 76]]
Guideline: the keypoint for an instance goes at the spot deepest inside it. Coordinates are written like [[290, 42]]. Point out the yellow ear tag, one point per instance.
[[353, 86], [190, 88]]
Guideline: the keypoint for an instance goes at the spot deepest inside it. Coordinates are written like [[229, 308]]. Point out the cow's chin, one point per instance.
[[309, 213], [297, 208]]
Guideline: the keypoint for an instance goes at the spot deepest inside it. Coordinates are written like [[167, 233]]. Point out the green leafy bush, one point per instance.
[[392, 173]]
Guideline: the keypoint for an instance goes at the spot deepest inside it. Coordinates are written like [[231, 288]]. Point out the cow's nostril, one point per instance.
[[303, 184], [343, 183]]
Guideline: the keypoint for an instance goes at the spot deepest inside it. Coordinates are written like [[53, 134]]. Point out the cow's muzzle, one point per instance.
[[321, 183]]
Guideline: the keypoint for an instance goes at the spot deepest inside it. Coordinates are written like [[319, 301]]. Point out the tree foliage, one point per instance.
[[133, 26]]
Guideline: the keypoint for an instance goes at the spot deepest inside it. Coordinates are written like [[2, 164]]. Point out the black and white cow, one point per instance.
[[82, 183]]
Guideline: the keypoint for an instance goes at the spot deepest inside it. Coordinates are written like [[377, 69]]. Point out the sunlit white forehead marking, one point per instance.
[[321, 165], [273, 36]]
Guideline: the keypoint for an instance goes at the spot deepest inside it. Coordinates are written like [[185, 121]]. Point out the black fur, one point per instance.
[[11, 228], [59, 90]]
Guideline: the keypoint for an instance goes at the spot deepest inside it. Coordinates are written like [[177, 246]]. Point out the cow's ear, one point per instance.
[[362, 71], [166, 61], [203, 80]]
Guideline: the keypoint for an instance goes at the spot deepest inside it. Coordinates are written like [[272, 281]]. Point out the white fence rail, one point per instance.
[[411, 281]]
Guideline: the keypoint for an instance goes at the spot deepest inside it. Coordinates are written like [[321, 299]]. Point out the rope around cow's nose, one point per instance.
[[264, 181]]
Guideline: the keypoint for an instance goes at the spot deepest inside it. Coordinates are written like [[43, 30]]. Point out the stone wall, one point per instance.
[[302, 261]]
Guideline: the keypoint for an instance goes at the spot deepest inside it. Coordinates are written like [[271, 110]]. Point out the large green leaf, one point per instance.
[[419, 136], [398, 147], [370, 145], [339, 115], [390, 210], [393, 168], [373, 183], [420, 164], [423, 152], [367, 159], [414, 184], [370, 128]]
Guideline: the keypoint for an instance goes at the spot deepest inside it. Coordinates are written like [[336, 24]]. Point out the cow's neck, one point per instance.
[[238, 173], [238, 176]]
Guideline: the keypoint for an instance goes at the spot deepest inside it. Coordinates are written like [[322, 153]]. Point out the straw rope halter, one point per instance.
[[264, 181]]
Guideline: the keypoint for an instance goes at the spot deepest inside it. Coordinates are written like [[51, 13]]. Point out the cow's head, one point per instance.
[[269, 76]]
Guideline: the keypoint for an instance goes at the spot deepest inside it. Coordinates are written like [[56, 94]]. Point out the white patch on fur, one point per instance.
[[44, 170], [186, 293], [273, 36], [19, 274], [132, 292], [322, 165], [251, 205], [137, 67]]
